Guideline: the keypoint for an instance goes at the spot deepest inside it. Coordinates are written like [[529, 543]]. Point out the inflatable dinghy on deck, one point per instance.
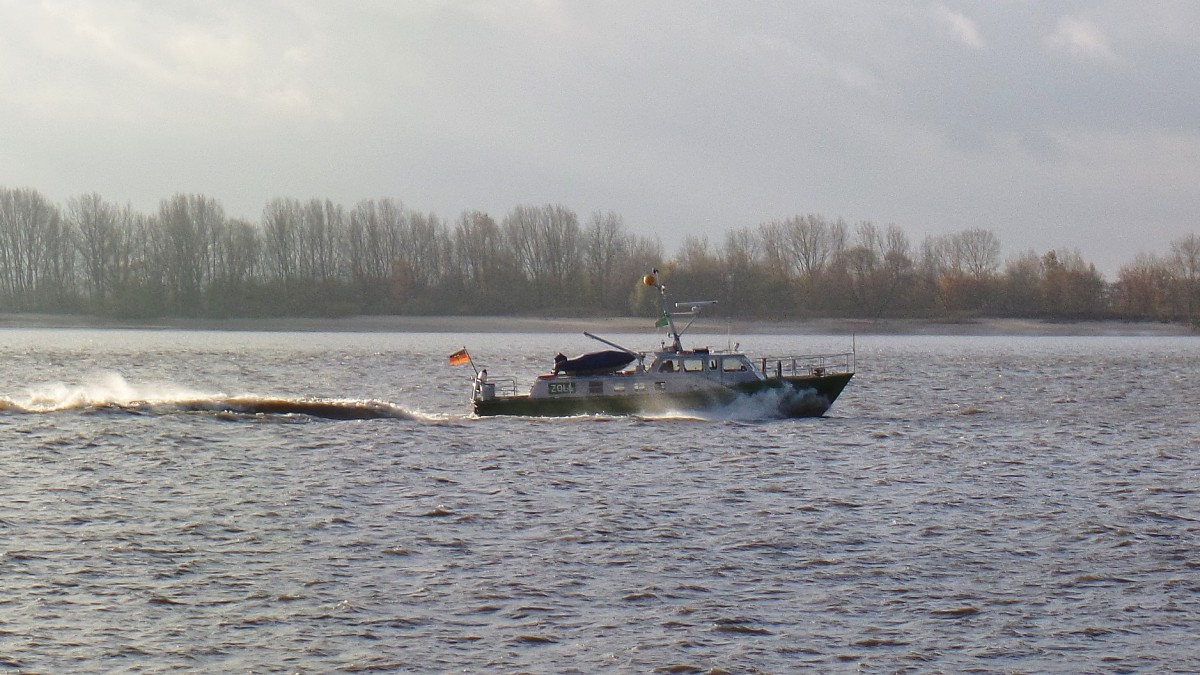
[[594, 363]]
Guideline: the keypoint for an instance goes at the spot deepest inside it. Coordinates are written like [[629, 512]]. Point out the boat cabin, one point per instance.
[[703, 363], [668, 372]]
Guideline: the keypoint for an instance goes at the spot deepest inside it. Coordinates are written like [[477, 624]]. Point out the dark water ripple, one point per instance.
[[977, 505]]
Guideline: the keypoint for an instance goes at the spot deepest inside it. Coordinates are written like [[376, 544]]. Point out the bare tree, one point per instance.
[[281, 223], [777, 258], [425, 250], [605, 246], [813, 242], [1071, 287], [193, 226], [324, 225], [1185, 264], [980, 253], [1144, 289], [477, 248], [104, 234], [744, 275], [546, 243], [961, 268], [36, 251], [373, 244]]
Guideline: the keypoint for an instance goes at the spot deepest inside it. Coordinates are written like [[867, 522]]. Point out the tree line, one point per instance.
[[318, 258]]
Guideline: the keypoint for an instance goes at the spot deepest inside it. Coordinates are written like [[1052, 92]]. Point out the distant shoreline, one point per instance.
[[498, 324]]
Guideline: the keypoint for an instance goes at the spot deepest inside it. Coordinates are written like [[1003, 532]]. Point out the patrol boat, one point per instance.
[[676, 380]]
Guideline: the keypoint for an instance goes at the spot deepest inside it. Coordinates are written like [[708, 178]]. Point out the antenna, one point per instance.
[[694, 309]]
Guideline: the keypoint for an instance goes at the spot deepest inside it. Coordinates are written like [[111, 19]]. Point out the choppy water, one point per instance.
[[970, 504]]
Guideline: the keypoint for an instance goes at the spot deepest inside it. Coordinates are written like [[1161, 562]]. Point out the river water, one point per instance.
[[187, 500]]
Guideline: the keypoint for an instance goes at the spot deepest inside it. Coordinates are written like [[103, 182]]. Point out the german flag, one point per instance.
[[460, 357]]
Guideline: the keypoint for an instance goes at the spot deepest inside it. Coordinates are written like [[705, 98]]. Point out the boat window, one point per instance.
[[596, 387], [712, 364], [618, 387], [667, 366], [639, 386], [733, 365], [693, 365]]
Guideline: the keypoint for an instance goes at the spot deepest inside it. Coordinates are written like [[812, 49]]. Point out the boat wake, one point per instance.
[[110, 393]]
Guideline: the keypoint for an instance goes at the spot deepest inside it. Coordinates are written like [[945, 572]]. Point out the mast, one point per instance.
[[666, 314]]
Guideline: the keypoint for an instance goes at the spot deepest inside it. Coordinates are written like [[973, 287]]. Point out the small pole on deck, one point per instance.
[[471, 361]]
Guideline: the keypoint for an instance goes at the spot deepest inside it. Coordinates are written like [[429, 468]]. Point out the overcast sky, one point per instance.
[[1055, 124]]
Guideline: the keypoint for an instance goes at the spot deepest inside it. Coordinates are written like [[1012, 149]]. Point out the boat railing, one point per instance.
[[806, 365], [493, 387], [505, 386]]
